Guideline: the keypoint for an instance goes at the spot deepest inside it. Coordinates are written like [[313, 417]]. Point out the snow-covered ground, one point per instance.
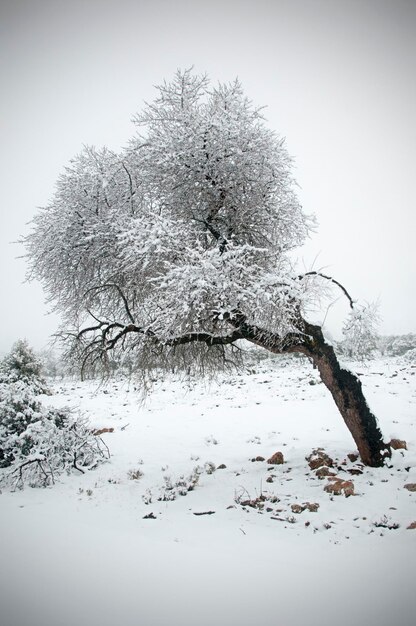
[[120, 545]]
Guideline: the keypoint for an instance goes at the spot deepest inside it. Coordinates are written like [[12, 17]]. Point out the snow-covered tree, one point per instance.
[[22, 364], [180, 247]]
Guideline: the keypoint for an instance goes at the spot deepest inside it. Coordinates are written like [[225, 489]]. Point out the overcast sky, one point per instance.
[[338, 79]]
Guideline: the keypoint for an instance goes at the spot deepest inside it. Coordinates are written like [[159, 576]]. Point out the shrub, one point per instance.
[[37, 443]]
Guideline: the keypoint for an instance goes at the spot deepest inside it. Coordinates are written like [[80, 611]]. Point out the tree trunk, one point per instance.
[[344, 386], [346, 390]]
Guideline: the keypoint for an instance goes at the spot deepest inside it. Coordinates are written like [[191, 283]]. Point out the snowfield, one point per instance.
[[163, 535]]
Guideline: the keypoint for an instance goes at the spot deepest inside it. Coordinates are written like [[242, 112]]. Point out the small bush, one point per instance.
[[37, 444], [181, 487]]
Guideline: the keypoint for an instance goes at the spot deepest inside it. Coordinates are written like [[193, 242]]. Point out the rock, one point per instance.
[[256, 503], [319, 458], [398, 444], [276, 459], [258, 458], [222, 466], [353, 457], [101, 431], [150, 516], [339, 487], [410, 486], [297, 508], [324, 471], [312, 507], [269, 479], [412, 526], [355, 471]]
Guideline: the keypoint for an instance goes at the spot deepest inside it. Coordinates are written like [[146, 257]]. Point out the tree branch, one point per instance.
[[291, 342], [121, 294], [100, 345], [332, 280], [210, 340]]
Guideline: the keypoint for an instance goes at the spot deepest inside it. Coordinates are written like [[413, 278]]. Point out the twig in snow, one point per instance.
[[204, 513]]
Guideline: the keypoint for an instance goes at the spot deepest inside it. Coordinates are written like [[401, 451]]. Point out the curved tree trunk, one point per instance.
[[345, 387], [346, 390]]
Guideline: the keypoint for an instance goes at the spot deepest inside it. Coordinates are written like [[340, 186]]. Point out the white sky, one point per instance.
[[338, 79]]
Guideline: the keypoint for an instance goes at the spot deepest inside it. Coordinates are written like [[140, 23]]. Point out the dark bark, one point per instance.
[[345, 387]]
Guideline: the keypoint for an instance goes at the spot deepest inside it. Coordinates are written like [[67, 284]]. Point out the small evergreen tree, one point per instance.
[[22, 364]]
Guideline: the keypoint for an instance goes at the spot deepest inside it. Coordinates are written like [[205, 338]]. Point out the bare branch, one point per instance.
[[120, 292], [332, 280]]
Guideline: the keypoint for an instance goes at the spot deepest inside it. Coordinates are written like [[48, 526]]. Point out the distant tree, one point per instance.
[[22, 364], [361, 339], [180, 247], [396, 345], [402, 344]]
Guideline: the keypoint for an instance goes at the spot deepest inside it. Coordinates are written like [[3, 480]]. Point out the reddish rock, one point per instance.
[[412, 526], [410, 486], [100, 431], [398, 444], [339, 487], [276, 459], [353, 457], [323, 472], [312, 507], [319, 458]]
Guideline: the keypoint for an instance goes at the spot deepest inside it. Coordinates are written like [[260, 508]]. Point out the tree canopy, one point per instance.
[[194, 219]]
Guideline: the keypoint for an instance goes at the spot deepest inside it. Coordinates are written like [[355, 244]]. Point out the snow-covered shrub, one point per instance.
[[21, 364], [409, 356], [37, 443]]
